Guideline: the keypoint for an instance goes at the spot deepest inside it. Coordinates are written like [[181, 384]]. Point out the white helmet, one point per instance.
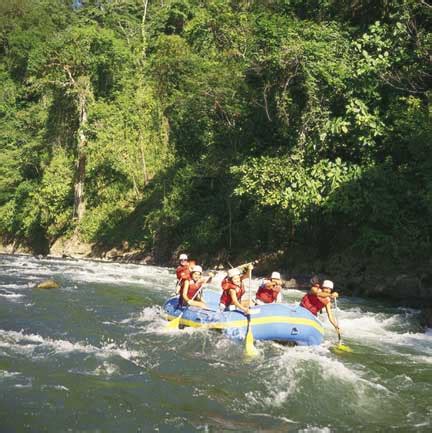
[[327, 284], [275, 275], [233, 272], [183, 257], [196, 268]]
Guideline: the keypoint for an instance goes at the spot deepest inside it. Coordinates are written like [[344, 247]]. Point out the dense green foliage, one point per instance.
[[222, 128]]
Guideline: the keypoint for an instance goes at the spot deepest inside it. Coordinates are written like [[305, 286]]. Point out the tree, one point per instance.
[[82, 64]]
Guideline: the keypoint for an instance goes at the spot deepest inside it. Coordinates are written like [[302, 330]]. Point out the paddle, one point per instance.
[[340, 346], [250, 349], [176, 322]]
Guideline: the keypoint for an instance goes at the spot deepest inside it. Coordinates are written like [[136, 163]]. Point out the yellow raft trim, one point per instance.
[[254, 321]]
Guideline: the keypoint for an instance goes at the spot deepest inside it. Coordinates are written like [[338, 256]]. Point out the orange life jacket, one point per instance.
[[228, 285], [192, 290], [183, 272], [267, 294], [313, 303]]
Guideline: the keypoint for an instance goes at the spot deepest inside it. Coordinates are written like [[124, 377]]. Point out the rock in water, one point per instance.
[[48, 284]]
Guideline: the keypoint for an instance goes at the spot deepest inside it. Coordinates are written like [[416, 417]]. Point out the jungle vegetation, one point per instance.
[[222, 128]]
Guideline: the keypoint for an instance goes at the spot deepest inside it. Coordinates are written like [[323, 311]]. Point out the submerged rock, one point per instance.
[[48, 284]]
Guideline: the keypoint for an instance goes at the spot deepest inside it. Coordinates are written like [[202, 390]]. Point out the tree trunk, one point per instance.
[[79, 199], [143, 31]]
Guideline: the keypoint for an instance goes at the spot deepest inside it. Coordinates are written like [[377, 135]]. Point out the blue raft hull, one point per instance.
[[277, 322]]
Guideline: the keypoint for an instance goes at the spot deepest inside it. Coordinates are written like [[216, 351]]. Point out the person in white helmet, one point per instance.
[[190, 288], [182, 270], [270, 291], [320, 298], [233, 289]]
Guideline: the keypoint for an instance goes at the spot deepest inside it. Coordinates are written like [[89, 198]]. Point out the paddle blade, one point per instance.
[[250, 349], [344, 348], [173, 324]]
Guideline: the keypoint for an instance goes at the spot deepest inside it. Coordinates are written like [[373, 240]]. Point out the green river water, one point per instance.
[[94, 356]]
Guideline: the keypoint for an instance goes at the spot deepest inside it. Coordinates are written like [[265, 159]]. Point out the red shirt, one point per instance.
[[268, 293], [313, 303]]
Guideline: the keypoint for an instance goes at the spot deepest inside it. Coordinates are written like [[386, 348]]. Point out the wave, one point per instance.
[[30, 345]]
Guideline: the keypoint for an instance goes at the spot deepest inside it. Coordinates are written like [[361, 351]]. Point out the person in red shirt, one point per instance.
[[270, 290], [233, 289], [319, 298], [183, 270], [190, 287]]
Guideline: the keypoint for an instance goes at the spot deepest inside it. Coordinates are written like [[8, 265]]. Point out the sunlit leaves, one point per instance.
[[285, 183]]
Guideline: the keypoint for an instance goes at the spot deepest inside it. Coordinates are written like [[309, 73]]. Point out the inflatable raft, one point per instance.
[[277, 322]]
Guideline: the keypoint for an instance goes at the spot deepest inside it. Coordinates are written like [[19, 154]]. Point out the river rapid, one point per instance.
[[94, 356]]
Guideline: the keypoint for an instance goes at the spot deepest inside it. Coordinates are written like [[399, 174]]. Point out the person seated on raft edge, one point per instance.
[[269, 291], [233, 289], [190, 286], [319, 298]]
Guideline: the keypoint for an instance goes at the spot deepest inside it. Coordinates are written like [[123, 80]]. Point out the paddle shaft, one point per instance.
[[249, 339], [337, 321]]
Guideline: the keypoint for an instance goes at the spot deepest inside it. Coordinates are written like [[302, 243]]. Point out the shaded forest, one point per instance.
[[294, 129]]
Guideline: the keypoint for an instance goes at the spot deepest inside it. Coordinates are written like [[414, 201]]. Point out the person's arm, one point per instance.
[[247, 272], [331, 316], [324, 295], [236, 302]]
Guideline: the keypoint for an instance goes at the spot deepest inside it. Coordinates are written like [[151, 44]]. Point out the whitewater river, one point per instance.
[[93, 356]]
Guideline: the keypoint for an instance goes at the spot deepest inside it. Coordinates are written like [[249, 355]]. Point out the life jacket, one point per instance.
[[192, 289], [313, 303], [268, 294], [228, 285], [183, 272]]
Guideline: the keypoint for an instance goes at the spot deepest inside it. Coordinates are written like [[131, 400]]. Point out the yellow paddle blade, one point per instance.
[[341, 348], [173, 323], [250, 349], [344, 348]]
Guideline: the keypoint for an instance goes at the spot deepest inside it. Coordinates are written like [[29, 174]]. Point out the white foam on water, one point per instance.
[[106, 369], [288, 371], [56, 387], [29, 384], [11, 296], [312, 429], [14, 286], [380, 330], [148, 314], [293, 358], [428, 332], [27, 344], [120, 273], [7, 374], [156, 278], [149, 320], [419, 359]]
